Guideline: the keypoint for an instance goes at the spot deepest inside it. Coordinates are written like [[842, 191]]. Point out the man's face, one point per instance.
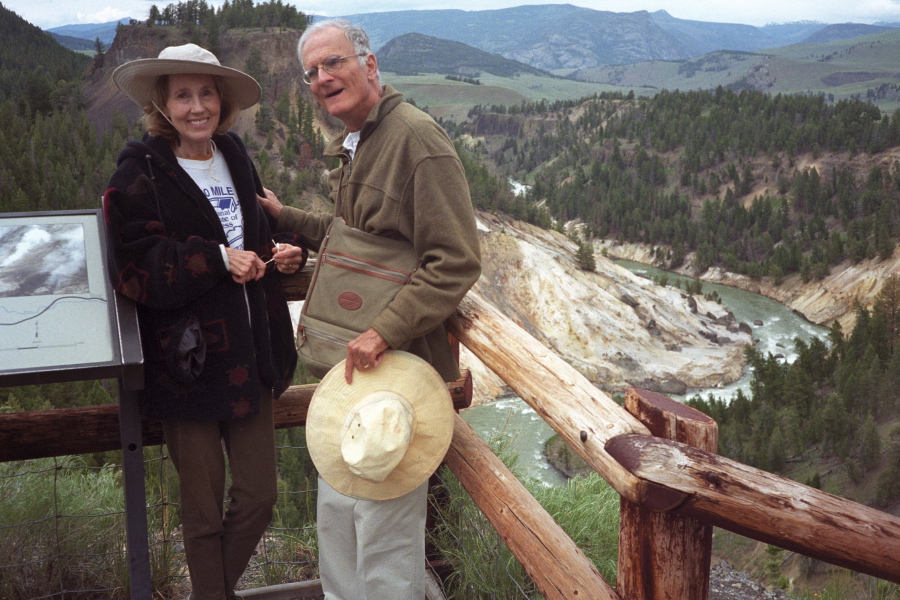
[[349, 93]]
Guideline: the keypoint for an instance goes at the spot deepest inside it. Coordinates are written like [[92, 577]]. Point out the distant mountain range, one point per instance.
[[105, 32], [559, 37]]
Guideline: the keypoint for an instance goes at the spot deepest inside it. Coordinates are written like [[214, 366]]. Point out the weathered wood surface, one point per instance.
[[665, 555], [584, 416], [64, 431], [766, 507], [295, 285], [559, 569]]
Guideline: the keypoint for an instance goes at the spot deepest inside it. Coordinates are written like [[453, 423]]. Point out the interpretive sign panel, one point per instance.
[[57, 310]]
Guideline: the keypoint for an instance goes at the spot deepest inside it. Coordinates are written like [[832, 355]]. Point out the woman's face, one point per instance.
[[194, 105]]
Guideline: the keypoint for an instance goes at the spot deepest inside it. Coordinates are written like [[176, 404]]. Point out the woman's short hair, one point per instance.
[[156, 123]]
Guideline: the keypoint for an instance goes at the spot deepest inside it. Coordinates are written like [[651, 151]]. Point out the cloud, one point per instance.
[[105, 15]]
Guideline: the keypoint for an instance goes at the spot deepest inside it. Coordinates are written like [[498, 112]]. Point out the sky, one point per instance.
[[47, 14]]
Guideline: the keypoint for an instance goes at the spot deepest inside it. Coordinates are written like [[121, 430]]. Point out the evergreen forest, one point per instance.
[[237, 14], [837, 406], [757, 184]]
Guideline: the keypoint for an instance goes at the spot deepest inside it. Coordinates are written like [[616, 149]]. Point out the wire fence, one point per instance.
[[62, 531], [62, 527]]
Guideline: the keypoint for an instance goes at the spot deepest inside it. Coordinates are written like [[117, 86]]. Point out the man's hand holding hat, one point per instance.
[[364, 353]]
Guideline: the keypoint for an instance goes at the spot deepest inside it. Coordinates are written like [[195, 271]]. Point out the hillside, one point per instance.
[[862, 67], [844, 31], [74, 43], [27, 52], [414, 53], [542, 36]]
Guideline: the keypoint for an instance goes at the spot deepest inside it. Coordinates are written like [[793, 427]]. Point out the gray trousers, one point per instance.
[[372, 549], [218, 546]]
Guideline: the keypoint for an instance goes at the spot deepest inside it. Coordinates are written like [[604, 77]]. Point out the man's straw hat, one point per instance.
[[385, 434], [137, 78]]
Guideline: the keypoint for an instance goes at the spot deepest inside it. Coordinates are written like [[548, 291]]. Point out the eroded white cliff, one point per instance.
[[616, 328]]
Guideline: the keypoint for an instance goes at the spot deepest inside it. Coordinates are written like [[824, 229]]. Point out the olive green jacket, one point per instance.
[[407, 182]]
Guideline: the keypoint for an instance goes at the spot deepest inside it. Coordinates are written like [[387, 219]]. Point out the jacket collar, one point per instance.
[[160, 150], [390, 99]]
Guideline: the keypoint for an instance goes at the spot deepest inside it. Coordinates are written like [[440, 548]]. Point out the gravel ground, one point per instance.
[[727, 584]]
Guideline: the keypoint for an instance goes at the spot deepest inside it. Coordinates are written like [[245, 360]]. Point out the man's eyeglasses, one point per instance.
[[331, 65]]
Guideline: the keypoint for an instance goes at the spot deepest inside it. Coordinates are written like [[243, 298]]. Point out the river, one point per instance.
[[527, 433]]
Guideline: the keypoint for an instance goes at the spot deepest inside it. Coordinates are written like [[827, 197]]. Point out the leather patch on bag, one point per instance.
[[350, 300]]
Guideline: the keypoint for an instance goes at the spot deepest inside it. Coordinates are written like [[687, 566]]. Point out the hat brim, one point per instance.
[[401, 373], [137, 79]]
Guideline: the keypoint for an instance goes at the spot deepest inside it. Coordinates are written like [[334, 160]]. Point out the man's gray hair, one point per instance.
[[356, 34]]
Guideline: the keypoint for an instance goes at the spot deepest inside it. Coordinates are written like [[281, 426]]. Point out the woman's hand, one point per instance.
[[288, 258], [244, 266], [270, 203]]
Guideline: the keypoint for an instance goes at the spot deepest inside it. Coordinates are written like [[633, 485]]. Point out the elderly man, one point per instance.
[[399, 177]]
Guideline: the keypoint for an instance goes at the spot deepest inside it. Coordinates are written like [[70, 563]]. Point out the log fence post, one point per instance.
[[664, 555]]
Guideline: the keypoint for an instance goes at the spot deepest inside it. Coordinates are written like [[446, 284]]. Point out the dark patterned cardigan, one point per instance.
[[163, 237]]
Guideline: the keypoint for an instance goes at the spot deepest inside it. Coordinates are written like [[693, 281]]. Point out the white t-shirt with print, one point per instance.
[[213, 177]]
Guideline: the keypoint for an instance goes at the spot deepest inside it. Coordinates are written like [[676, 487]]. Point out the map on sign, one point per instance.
[[54, 297]]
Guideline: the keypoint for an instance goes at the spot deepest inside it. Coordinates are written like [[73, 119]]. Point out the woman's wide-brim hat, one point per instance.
[[137, 78], [383, 435]]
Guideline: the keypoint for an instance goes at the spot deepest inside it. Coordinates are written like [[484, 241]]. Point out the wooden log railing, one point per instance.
[[630, 451], [62, 431], [665, 475]]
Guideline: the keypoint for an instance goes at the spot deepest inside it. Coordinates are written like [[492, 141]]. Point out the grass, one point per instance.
[[452, 100], [64, 531], [482, 565]]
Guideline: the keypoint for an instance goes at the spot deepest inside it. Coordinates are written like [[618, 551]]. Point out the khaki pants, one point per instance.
[[219, 546], [370, 549]]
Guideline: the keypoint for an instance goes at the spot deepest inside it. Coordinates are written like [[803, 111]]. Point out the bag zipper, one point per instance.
[[366, 267], [323, 336]]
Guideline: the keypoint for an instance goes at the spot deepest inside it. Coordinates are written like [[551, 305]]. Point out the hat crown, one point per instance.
[[350, 464], [377, 435], [191, 52], [137, 78]]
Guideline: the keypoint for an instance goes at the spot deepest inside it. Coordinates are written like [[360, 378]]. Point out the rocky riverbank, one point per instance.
[[820, 301], [727, 583]]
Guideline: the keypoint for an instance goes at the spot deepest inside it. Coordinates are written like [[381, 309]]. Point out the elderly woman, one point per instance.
[[189, 243]]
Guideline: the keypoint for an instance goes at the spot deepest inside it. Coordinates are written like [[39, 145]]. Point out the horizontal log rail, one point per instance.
[[578, 411], [668, 476], [766, 507], [64, 431]]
